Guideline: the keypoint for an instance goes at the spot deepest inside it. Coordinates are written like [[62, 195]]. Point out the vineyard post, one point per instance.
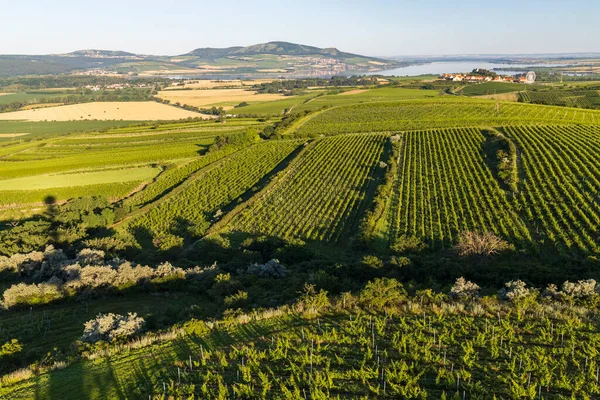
[[191, 363]]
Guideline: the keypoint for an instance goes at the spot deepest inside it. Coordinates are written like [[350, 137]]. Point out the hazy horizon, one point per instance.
[[382, 28]]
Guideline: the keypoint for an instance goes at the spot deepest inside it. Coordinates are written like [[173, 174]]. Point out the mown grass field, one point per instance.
[[78, 179]]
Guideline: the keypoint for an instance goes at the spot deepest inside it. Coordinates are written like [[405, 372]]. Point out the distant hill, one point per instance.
[[274, 48], [101, 54], [265, 59]]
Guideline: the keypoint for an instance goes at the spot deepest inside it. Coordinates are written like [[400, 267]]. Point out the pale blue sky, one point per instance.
[[370, 27]]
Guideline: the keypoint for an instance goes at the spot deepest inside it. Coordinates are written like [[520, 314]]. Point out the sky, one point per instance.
[[369, 27]]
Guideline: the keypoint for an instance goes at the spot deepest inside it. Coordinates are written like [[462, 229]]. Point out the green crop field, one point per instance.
[[432, 350], [444, 187], [36, 130], [342, 245], [480, 89], [78, 179]]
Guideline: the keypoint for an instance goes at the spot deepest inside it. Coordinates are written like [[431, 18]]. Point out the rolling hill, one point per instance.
[[275, 58]]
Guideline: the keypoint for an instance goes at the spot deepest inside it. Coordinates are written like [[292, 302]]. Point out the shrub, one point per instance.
[[237, 300], [407, 243], [372, 262], [311, 301], [382, 293], [109, 327], [475, 243], [90, 257], [399, 262], [271, 269], [10, 348], [583, 289], [21, 293], [516, 290], [464, 289]]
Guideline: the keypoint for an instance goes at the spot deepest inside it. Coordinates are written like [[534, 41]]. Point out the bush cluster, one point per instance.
[[83, 275], [108, 327]]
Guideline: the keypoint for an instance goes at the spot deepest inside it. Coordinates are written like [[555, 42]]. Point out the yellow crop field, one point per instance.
[[212, 84], [216, 97], [44, 105], [127, 111]]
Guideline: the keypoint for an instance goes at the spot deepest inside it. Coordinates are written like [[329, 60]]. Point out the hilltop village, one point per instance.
[[484, 75]]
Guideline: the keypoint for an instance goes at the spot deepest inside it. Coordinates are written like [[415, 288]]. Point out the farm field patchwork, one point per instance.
[[227, 98], [236, 213]]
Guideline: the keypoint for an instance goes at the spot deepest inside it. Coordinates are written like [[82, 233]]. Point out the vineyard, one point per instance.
[[319, 196], [561, 182], [444, 187], [427, 114], [190, 212], [309, 255], [380, 344], [581, 98]]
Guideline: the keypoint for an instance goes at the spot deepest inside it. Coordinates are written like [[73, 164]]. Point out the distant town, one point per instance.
[[484, 75]]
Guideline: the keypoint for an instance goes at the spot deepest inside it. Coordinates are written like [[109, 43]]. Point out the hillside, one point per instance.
[[278, 48], [273, 58], [376, 242]]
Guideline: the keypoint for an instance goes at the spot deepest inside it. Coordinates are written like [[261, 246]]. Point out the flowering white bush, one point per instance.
[[90, 257], [463, 288], [22, 293], [581, 289], [108, 327], [515, 290]]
